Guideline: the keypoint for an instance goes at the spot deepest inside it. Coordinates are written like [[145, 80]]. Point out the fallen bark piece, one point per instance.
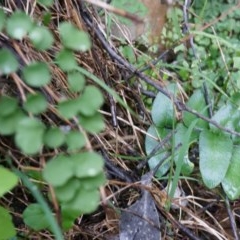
[[141, 220]]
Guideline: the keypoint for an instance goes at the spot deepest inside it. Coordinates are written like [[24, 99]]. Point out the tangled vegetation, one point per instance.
[[119, 123]]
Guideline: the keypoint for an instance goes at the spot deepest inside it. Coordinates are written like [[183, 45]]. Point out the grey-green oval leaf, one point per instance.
[[18, 25], [223, 117], [37, 74], [69, 215], [58, 170], [35, 218], [8, 62], [85, 201], [7, 229], [215, 154], [76, 81], [68, 108], [179, 136], [163, 112], [68, 190], [197, 103], [152, 140], [9, 123], [90, 101], [66, 60], [54, 137], [35, 103], [74, 38], [93, 124], [93, 182], [41, 37], [87, 164], [29, 135], [236, 62], [8, 181], [75, 140], [187, 166], [7, 105], [231, 182]]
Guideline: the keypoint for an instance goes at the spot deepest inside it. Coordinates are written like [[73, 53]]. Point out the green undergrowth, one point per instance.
[[212, 63]]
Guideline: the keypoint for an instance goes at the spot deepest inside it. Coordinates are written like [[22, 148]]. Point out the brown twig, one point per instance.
[[182, 228], [155, 150], [231, 219], [117, 11], [117, 172]]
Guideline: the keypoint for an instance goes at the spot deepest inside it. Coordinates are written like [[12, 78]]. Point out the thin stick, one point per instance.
[[231, 219], [117, 11]]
